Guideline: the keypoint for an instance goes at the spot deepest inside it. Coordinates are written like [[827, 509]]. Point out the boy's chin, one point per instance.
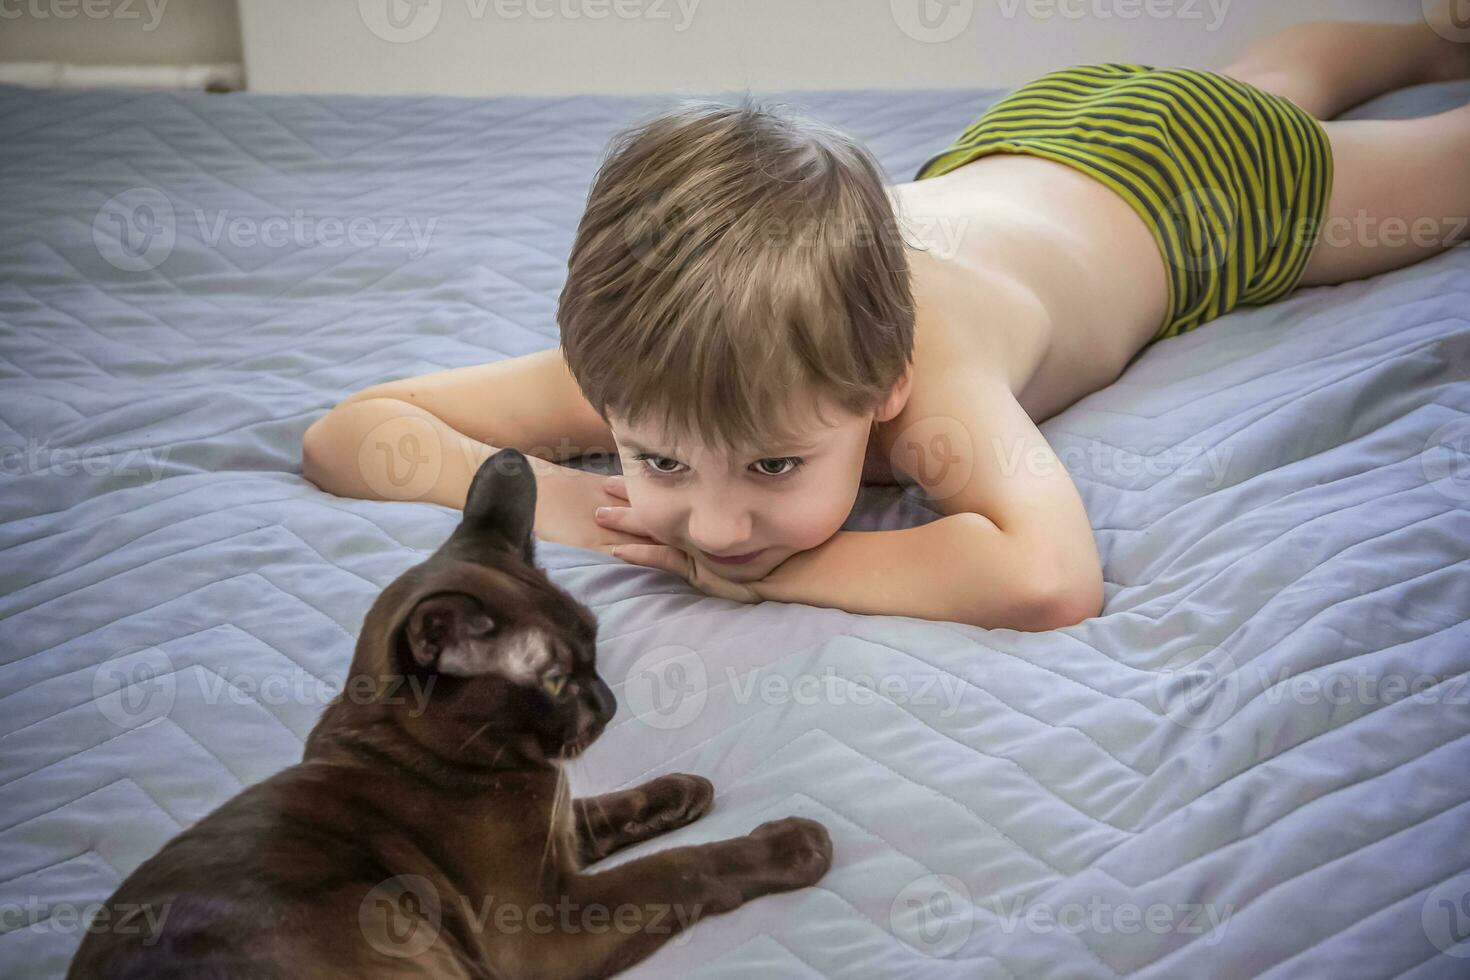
[[751, 571]]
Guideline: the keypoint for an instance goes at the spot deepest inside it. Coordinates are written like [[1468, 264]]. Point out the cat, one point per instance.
[[434, 835]]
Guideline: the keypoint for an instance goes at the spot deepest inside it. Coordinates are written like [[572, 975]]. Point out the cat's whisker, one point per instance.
[[477, 733], [559, 801], [587, 816]]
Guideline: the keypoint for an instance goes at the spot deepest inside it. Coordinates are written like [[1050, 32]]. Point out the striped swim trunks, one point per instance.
[[1231, 181]]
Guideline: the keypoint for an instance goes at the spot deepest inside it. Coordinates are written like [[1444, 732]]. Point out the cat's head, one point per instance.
[[477, 654]]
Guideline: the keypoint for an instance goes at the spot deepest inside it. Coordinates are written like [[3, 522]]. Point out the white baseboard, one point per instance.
[[57, 74]]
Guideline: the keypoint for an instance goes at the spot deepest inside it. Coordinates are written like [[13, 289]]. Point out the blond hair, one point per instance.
[[735, 265]]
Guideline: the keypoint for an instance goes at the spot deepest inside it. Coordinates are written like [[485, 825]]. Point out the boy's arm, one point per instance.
[[531, 403], [1015, 549], [424, 438], [958, 569]]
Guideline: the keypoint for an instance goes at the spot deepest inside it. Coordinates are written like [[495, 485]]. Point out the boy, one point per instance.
[[755, 324]]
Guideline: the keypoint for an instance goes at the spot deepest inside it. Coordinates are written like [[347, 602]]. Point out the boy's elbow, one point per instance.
[[313, 452], [1058, 604], [323, 442], [324, 454]]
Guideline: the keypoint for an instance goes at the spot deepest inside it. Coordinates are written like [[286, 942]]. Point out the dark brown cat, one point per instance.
[[428, 831]]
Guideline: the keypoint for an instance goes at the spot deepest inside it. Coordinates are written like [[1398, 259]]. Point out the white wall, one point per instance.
[[120, 32], [492, 47]]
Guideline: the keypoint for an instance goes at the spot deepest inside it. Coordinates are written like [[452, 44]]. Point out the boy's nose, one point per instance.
[[720, 534]]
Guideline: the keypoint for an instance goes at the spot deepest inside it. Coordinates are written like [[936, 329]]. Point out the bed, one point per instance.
[[1253, 763]]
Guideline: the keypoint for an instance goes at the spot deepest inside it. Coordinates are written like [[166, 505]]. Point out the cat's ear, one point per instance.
[[502, 497], [452, 634]]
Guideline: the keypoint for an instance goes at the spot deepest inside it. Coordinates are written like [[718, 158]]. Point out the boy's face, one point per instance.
[[776, 502]]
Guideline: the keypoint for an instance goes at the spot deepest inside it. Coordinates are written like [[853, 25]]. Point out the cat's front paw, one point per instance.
[[675, 800], [798, 851]]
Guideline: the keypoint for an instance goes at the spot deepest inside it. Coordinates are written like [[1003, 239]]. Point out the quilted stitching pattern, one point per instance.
[[1279, 499]]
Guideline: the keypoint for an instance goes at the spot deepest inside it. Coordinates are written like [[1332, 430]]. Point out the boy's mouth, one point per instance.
[[732, 559]]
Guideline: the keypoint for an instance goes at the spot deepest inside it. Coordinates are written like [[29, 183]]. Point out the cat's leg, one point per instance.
[[607, 921], [613, 821]]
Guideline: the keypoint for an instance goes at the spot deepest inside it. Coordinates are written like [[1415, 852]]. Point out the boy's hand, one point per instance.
[[663, 556], [565, 500]]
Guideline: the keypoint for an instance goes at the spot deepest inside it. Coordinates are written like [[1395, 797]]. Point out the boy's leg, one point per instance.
[[1329, 66], [1400, 193]]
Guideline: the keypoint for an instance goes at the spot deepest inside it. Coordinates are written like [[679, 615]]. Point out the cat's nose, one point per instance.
[[604, 704]]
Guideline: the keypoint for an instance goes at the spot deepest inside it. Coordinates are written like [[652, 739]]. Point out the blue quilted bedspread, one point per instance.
[[1256, 761]]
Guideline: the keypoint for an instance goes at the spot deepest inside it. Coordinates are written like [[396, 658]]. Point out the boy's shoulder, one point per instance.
[[978, 341], [972, 319]]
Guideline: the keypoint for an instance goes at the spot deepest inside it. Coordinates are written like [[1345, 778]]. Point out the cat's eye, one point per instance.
[[553, 682]]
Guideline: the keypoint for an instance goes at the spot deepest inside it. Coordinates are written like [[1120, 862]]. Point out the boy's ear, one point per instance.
[[898, 395]]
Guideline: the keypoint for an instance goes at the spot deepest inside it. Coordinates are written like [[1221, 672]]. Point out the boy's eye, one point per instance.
[[781, 463], [773, 467], [654, 461]]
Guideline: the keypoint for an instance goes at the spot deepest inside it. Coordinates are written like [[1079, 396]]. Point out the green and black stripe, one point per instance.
[[1233, 182]]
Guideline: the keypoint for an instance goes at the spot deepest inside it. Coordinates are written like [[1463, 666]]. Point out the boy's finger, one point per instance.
[[622, 519], [649, 555]]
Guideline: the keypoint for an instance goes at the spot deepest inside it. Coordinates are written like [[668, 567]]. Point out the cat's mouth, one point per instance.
[[579, 743]]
